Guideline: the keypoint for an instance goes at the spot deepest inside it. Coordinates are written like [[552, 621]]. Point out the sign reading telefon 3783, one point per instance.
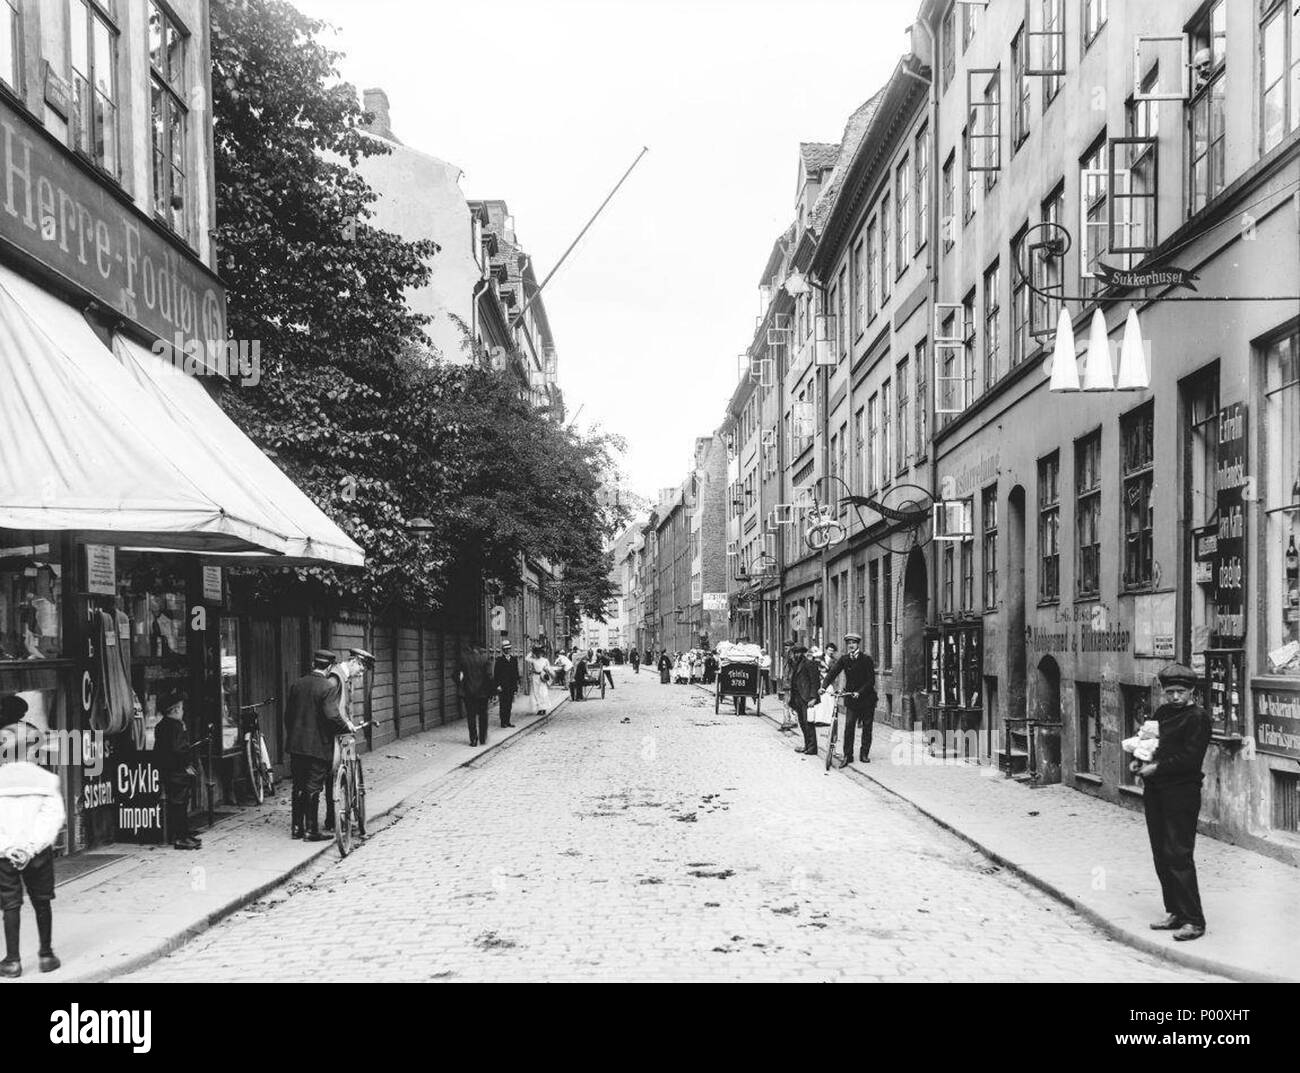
[[53, 210]]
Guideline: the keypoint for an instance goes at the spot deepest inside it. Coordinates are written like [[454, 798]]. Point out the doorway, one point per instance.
[[1013, 756], [914, 608], [1044, 724]]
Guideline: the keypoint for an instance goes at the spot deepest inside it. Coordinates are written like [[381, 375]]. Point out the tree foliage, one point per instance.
[[352, 401]]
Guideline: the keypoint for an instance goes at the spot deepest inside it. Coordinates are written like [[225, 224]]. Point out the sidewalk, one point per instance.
[[1094, 856], [142, 906]]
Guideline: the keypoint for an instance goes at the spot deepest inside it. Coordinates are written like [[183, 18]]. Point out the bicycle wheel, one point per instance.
[[343, 818], [830, 745], [253, 758], [360, 802]]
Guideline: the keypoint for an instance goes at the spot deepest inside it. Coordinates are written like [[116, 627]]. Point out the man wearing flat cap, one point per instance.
[[1171, 798], [348, 670], [505, 679], [805, 678], [859, 678], [311, 723]]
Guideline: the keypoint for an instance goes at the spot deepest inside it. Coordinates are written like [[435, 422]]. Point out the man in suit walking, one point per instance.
[[804, 682], [505, 677], [859, 677], [311, 722], [475, 689]]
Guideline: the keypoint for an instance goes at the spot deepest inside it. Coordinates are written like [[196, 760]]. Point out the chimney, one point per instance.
[[376, 102]]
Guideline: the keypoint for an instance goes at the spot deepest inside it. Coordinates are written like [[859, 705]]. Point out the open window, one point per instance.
[[951, 332], [784, 513], [733, 548], [1043, 312], [947, 315], [984, 127], [1171, 52], [1132, 184], [1094, 220], [1044, 38], [763, 371], [769, 439], [825, 351], [954, 520]]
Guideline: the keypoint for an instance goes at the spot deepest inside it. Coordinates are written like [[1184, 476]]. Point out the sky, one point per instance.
[[545, 103]]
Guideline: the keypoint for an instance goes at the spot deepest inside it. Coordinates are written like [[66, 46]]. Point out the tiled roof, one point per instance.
[[818, 155], [854, 131]]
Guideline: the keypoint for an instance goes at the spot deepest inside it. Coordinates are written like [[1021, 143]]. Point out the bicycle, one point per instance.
[[260, 776], [835, 726], [349, 791]]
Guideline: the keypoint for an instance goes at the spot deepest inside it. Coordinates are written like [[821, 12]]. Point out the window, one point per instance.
[[873, 604], [921, 155], [11, 45], [841, 463], [31, 599], [1132, 178], [1206, 118], [992, 337], [969, 188], [991, 134], [951, 397], [94, 84], [1019, 91], [886, 254], [902, 209], [1053, 58], [1280, 72], [859, 449], [1094, 18], [860, 596], [1137, 710], [1200, 485], [947, 222], [969, 23], [841, 329], [873, 270], [968, 574], [1092, 206], [1137, 432], [835, 471], [1087, 515], [989, 512], [946, 588], [1088, 758], [904, 451], [968, 350], [170, 119], [858, 266], [887, 615], [1049, 528], [887, 433], [1281, 381], [1045, 311], [1019, 300], [922, 401], [873, 424], [948, 46]]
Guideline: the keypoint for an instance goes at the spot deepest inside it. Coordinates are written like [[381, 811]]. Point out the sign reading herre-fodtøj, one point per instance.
[[55, 212]]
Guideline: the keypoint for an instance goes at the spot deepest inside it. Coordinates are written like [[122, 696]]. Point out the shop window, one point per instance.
[[11, 45], [873, 608], [1088, 728], [1207, 113], [1286, 801], [1087, 515], [1280, 71], [989, 515], [1049, 528], [1200, 465], [1137, 432], [1137, 710], [170, 120], [93, 39], [992, 329], [31, 598], [1281, 588], [887, 616]]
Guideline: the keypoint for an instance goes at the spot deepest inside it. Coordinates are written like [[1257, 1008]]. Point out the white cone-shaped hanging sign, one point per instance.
[[1065, 369], [1097, 374], [1133, 375]]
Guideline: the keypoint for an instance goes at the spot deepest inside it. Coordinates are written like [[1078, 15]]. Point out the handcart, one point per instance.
[[739, 677]]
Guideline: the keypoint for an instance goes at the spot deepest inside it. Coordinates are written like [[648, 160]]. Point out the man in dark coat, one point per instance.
[[311, 723], [859, 677], [174, 755], [475, 689], [1171, 799], [805, 683], [603, 661], [636, 661], [505, 677], [665, 668], [579, 680]]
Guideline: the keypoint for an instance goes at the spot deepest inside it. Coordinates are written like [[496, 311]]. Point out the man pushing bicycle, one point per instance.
[[859, 695]]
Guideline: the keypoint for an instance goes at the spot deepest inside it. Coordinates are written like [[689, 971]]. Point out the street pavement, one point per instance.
[[643, 837]]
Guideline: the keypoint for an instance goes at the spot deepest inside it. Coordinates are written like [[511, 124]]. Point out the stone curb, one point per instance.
[[174, 942], [1131, 938]]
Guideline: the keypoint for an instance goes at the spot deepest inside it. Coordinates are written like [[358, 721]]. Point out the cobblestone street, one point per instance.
[[643, 837]]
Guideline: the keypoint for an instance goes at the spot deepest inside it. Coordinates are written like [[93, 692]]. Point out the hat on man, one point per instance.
[[853, 637], [505, 646], [168, 700], [365, 657], [12, 709], [798, 650], [1177, 674], [323, 657]]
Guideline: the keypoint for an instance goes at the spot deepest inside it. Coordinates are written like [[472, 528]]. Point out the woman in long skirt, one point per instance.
[[542, 669]]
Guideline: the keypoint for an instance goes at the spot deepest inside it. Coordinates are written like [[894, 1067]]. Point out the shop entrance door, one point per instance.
[[1013, 755], [1044, 724]]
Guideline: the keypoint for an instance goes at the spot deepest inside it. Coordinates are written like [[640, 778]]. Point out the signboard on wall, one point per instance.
[[715, 601], [139, 792], [101, 569], [212, 590], [1277, 722], [1230, 556]]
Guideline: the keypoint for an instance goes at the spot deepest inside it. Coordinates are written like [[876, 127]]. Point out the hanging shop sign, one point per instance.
[[101, 569], [1277, 722], [57, 212], [1159, 277], [1230, 544]]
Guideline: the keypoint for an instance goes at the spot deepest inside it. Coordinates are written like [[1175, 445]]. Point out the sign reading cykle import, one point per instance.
[[53, 210]]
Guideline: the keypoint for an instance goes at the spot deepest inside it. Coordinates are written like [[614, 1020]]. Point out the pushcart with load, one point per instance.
[[739, 676]]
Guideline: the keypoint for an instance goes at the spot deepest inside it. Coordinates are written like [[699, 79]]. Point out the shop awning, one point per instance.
[[313, 539], [83, 448]]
